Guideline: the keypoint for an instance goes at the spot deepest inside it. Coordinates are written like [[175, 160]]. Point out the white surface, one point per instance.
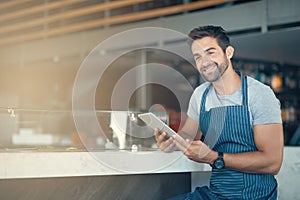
[[64, 164], [32, 139], [289, 175], [118, 123]]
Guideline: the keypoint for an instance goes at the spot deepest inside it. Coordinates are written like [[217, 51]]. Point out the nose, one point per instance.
[[205, 60]]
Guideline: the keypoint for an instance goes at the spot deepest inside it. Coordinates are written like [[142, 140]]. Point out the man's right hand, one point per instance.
[[163, 142]]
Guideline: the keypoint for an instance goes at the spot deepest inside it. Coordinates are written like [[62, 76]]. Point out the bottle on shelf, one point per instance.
[[290, 81], [289, 112], [276, 82], [283, 112]]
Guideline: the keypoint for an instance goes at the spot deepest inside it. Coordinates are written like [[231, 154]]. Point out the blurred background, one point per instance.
[[44, 42]]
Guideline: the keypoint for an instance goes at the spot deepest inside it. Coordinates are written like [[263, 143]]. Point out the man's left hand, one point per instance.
[[195, 150]]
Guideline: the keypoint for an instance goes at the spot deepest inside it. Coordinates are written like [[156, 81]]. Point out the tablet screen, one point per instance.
[[154, 122]]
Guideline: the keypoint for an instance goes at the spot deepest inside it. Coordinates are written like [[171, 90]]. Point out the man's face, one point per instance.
[[210, 58]]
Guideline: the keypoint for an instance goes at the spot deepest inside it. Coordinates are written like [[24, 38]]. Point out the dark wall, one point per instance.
[[127, 187]]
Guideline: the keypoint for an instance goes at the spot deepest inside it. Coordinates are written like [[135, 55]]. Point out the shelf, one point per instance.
[[295, 93]]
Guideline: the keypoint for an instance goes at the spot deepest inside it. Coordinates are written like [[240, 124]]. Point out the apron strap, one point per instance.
[[244, 88], [203, 101]]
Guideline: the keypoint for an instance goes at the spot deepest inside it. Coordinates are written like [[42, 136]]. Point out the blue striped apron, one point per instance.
[[235, 136]]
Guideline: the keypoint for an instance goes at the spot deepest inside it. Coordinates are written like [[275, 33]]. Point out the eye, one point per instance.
[[197, 58]]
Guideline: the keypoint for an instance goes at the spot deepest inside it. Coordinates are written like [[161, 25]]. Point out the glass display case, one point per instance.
[[58, 130]]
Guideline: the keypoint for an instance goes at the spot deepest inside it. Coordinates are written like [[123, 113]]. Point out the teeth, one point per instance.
[[208, 68]]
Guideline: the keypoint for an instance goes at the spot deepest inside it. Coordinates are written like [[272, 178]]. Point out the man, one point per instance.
[[240, 120]]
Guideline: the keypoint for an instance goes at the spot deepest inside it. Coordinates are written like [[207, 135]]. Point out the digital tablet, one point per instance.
[[154, 122]]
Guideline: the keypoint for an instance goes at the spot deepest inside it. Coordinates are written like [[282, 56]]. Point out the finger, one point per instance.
[[201, 148], [167, 145], [181, 144], [181, 141], [160, 137], [156, 133], [170, 148]]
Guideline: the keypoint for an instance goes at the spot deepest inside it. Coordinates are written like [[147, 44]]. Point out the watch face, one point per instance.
[[219, 164]]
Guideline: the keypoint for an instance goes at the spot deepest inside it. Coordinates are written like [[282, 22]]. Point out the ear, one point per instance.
[[229, 52]]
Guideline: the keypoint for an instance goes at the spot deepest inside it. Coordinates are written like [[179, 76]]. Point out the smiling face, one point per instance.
[[210, 59]]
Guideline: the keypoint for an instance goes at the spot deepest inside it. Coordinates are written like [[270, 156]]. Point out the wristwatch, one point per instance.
[[219, 162]]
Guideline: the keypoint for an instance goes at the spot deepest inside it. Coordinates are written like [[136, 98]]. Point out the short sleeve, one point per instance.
[[264, 106], [194, 104]]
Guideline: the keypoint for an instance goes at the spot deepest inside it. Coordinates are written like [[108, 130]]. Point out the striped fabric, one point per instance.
[[228, 129]]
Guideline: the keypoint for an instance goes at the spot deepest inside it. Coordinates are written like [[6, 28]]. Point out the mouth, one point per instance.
[[209, 68]]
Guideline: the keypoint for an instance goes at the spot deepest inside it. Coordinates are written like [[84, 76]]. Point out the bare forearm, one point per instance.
[[268, 157], [253, 162], [190, 130], [185, 135]]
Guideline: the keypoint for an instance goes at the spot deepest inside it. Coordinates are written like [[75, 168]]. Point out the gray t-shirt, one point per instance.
[[263, 105]]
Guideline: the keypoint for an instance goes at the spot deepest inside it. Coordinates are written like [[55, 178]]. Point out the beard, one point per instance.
[[215, 74]]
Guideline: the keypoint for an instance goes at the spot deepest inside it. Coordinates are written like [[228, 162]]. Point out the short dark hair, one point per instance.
[[210, 31]]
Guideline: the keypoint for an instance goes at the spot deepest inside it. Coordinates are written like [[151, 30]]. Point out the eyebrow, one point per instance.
[[206, 50], [211, 48]]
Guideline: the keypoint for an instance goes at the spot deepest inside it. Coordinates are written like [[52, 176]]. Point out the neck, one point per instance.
[[229, 82]]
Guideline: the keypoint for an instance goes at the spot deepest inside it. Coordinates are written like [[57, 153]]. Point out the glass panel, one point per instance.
[[49, 130]]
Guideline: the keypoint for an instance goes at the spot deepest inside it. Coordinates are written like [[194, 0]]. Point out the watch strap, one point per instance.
[[219, 159], [220, 155]]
